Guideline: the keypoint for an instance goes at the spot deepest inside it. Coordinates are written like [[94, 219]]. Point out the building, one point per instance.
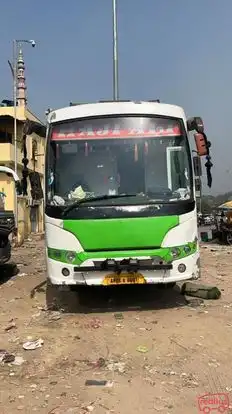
[[30, 160]]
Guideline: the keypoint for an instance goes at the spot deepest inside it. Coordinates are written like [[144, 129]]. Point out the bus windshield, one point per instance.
[[147, 156]]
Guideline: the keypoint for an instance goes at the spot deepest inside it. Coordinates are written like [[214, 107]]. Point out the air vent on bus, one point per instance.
[[112, 100], [77, 103], [130, 100]]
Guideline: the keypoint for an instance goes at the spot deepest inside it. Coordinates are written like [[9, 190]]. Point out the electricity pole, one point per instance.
[[115, 52]]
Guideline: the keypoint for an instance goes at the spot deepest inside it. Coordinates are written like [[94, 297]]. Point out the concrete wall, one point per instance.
[[23, 220], [7, 186]]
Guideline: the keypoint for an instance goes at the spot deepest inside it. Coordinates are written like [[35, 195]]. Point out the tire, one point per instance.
[[62, 297]]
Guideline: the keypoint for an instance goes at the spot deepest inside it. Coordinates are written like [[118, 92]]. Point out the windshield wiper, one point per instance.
[[91, 199]]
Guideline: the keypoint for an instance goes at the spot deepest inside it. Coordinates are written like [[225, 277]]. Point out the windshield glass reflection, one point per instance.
[[154, 168]]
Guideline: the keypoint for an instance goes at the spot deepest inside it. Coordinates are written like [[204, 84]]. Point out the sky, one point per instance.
[[178, 51]]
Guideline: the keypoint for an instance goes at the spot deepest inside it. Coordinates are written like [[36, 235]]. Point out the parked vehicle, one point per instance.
[[7, 219], [224, 225]]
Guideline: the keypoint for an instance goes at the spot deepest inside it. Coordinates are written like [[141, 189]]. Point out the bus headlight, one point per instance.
[[175, 252], [187, 249], [194, 245], [70, 256], [57, 254]]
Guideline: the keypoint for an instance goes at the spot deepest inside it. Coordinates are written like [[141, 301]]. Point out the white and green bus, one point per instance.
[[120, 200]]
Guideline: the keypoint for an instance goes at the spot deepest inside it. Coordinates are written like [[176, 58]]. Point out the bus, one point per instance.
[[120, 203]]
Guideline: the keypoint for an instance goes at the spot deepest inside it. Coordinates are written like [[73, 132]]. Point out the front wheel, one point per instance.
[[61, 297]]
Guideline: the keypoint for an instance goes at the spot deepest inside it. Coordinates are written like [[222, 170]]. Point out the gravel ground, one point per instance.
[[157, 352]]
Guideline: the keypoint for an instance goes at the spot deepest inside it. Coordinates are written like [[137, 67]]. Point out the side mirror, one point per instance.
[[195, 124], [197, 166], [18, 188], [202, 144]]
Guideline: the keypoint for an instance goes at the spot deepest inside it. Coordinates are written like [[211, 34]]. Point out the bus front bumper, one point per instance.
[[66, 274]]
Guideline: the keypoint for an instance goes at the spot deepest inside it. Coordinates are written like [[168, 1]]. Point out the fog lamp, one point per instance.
[[181, 268], [65, 272]]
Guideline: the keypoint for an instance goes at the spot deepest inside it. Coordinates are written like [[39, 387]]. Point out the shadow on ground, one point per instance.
[[7, 271], [118, 298]]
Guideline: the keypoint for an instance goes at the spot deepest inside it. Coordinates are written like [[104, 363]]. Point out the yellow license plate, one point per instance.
[[124, 279]]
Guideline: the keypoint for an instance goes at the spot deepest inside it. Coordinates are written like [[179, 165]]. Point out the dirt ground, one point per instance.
[[156, 352]]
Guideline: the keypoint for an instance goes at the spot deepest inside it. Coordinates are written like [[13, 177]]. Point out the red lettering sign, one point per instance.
[[89, 133]]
